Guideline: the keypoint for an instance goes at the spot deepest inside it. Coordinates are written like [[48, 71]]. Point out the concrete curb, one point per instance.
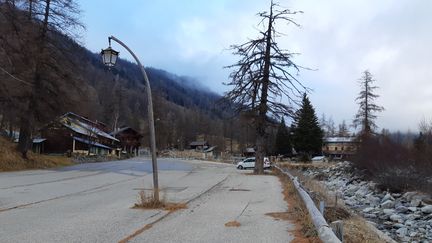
[[325, 233]]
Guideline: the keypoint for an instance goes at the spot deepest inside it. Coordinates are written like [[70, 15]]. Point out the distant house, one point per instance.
[[38, 143], [199, 145], [249, 152], [72, 133], [130, 139], [339, 147]]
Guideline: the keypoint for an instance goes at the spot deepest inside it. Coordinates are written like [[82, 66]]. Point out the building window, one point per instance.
[[336, 148]]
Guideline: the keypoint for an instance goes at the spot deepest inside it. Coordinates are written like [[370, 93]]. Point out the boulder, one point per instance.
[[412, 209], [388, 204], [409, 195], [388, 211], [368, 209], [415, 202], [398, 225], [361, 192], [387, 197], [409, 223], [350, 190], [370, 215], [427, 209], [401, 209], [396, 218], [351, 202], [402, 232], [372, 200], [413, 216]]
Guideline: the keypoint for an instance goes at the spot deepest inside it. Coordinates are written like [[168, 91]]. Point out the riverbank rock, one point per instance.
[[405, 217]]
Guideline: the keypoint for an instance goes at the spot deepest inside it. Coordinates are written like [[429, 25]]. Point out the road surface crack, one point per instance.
[[148, 226], [66, 195]]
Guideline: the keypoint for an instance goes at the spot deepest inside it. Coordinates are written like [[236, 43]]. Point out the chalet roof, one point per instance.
[[71, 114], [198, 143], [15, 137], [84, 128], [249, 150], [339, 139], [91, 142], [39, 140], [210, 149], [124, 129]]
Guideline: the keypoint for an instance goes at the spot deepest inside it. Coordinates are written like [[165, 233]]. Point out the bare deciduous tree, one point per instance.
[[45, 19], [343, 130], [263, 77]]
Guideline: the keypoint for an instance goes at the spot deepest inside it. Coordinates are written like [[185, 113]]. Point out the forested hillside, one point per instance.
[[74, 79]]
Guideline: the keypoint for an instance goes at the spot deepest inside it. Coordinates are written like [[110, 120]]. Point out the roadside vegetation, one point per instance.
[[11, 159], [146, 200], [297, 213], [396, 167], [355, 228]]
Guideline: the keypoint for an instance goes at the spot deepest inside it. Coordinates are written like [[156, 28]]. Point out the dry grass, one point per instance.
[[356, 230], [297, 213], [146, 200], [304, 166], [232, 224], [279, 215], [11, 160]]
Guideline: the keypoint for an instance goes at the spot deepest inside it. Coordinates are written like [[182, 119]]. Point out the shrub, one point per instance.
[[393, 166]]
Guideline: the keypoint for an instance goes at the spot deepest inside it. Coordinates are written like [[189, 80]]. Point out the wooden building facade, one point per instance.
[[339, 147], [130, 140], [72, 133]]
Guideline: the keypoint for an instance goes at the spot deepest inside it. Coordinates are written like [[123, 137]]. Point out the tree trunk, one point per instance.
[[25, 136], [28, 119], [259, 154], [262, 112]]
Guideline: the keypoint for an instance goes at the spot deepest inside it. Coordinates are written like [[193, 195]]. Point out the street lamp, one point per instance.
[[109, 58]]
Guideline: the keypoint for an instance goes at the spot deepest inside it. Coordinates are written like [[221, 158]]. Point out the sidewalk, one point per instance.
[[242, 198]]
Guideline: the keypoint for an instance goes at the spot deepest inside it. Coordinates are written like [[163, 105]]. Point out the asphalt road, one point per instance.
[[92, 203]]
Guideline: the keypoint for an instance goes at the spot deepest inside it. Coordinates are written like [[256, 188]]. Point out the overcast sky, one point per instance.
[[338, 38]]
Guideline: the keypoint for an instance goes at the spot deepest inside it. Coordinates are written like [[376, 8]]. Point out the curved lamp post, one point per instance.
[[109, 58]]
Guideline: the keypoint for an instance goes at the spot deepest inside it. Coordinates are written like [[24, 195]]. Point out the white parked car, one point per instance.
[[250, 163], [319, 159]]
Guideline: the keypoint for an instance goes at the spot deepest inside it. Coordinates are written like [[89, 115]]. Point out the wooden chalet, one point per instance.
[[249, 152], [130, 139], [199, 145], [339, 147], [72, 133]]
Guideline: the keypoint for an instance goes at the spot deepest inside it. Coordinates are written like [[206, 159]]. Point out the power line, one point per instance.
[[17, 79]]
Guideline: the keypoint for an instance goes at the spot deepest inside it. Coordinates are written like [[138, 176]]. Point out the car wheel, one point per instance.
[[240, 167]]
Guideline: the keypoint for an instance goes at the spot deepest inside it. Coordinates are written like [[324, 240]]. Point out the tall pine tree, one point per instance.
[[365, 116], [308, 135], [283, 140]]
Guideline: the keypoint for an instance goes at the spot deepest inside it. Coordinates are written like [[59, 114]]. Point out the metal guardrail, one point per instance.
[[325, 233]]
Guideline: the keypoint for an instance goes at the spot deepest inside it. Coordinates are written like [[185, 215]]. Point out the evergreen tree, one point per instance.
[[365, 116], [283, 140], [308, 135]]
